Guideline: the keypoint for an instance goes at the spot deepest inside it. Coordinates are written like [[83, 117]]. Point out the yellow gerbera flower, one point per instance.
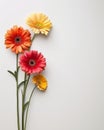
[[40, 81], [39, 23]]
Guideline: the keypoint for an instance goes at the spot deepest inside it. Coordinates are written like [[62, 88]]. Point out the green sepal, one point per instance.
[[14, 74]]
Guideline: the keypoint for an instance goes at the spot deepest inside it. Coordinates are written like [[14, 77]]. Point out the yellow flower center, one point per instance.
[[32, 62], [38, 25]]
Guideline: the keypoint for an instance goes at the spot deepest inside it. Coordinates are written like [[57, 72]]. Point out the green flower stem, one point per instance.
[[28, 106], [33, 37], [17, 93], [23, 99]]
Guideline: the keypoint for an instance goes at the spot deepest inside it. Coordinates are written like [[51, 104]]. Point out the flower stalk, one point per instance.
[[23, 100], [28, 106], [17, 93]]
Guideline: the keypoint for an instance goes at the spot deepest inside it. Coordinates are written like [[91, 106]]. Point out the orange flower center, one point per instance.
[[17, 40], [38, 81], [32, 62]]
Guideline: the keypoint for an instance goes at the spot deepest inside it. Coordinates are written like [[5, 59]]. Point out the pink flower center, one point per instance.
[[32, 62], [17, 39]]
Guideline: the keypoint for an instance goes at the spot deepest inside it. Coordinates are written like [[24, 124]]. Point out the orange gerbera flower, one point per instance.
[[18, 39], [39, 23]]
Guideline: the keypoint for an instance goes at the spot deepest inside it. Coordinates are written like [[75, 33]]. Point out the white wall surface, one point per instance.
[[74, 51]]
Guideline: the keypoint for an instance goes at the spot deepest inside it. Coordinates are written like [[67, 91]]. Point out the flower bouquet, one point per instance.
[[31, 62]]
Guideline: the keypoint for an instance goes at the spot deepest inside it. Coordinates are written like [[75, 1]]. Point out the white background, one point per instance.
[[74, 51]]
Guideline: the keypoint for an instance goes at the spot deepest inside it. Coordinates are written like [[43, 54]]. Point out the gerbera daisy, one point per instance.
[[39, 23], [18, 39], [32, 62], [40, 81]]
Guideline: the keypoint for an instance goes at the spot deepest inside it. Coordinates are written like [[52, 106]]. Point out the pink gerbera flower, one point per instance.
[[32, 62]]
